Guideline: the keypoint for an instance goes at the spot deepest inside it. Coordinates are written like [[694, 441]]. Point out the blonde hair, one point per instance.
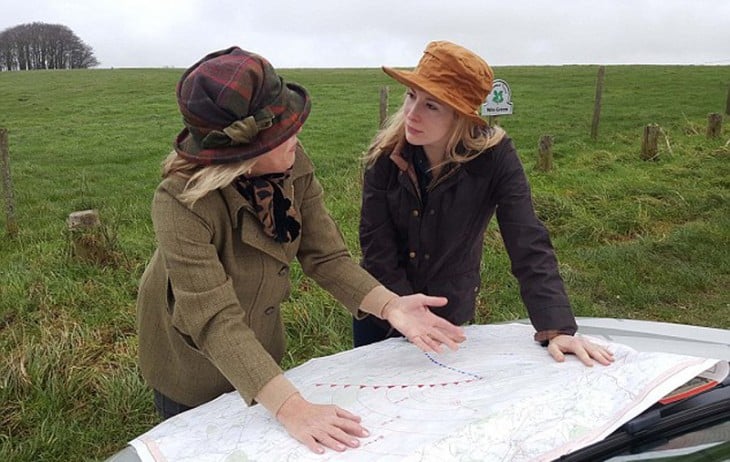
[[467, 139], [202, 179]]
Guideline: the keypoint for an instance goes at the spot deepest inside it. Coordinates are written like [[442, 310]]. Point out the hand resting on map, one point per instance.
[[411, 316], [318, 425], [584, 349]]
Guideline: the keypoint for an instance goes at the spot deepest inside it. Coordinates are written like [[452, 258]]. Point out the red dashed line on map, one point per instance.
[[412, 385]]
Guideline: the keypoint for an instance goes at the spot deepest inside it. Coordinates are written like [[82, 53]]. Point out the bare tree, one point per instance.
[[43, 46]]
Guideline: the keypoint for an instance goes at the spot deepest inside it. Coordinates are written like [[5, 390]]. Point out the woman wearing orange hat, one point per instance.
[[237, 204], [435, 175]]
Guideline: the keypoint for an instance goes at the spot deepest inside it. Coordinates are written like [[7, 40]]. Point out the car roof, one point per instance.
[[707, 342]]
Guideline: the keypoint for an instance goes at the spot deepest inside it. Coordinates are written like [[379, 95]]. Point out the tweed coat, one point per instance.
[[436, 247], [209, 315]]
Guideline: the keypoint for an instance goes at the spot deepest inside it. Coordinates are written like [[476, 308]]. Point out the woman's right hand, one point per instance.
[[317, 425]]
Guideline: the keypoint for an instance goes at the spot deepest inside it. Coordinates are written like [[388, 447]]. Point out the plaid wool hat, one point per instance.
[[453, 75], [235, 107]]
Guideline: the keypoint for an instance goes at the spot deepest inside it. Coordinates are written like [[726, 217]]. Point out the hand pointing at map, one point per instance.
[[410, 316]]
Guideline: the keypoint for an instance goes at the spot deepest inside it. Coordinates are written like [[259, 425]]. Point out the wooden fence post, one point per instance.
[[383, 105], [597, 102], [727, 103], [649, 149], [714, 124], [545, 153], [11, 225]]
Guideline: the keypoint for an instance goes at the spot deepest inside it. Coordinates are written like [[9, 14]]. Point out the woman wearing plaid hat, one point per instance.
[[435, 175], [237, 204]]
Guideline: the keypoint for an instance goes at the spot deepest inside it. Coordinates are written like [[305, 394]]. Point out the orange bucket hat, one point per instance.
[[452, 74]]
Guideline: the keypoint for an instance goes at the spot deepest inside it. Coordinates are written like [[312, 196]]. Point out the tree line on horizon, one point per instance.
[[39, 45]]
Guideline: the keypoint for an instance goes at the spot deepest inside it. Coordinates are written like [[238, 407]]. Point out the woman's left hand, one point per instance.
[[411, 316], [585, 350]]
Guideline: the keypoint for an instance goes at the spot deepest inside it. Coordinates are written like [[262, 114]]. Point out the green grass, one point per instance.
[[635, 239]]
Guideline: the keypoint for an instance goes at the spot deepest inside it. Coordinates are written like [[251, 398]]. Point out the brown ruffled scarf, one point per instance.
[[274, 210]]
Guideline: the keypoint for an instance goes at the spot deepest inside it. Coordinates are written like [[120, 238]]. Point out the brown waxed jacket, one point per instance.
[[208, 307], [436, 247]]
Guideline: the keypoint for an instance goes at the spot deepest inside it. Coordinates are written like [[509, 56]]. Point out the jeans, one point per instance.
[[166, 407], [371, 330]]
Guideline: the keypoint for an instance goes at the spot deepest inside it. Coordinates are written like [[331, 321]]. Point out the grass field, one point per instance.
[[635, 239]]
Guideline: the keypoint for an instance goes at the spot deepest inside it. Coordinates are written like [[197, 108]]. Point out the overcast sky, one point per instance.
[[371, 33]]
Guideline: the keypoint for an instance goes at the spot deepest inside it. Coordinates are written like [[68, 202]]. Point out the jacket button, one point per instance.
[[269, 310], [415, 212], [427, 256], [412, 254], [432, 212], [283, 271]]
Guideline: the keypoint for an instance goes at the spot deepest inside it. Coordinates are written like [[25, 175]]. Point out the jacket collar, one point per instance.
[[480, 164], [402, 156], [483, 163], [243, 216], [236, 203]]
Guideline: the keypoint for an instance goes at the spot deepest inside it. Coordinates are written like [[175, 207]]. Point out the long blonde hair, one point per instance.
[[202, 179], [467, 139]]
